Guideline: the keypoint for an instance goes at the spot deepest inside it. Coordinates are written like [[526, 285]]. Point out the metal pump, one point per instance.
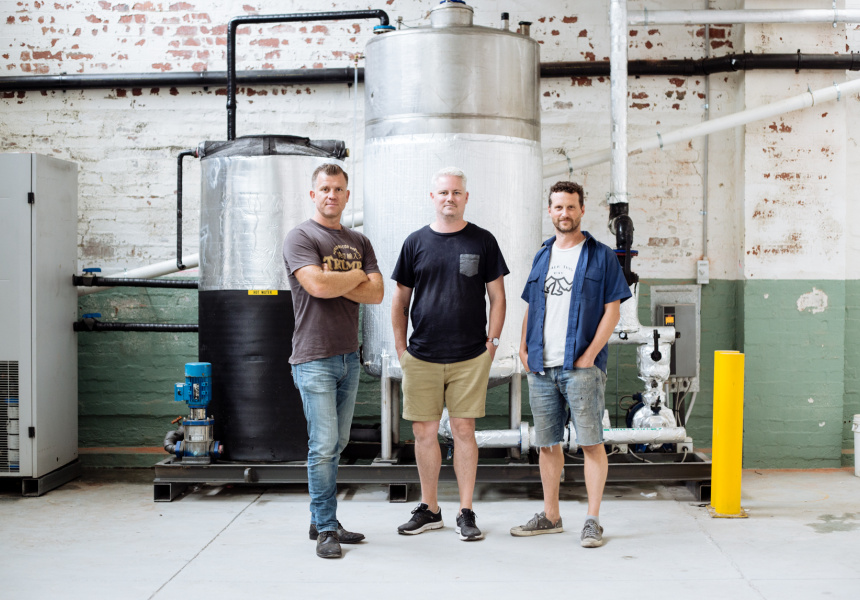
[[197, 445]]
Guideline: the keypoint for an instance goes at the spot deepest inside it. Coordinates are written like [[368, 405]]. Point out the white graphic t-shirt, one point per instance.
[[558, 291]]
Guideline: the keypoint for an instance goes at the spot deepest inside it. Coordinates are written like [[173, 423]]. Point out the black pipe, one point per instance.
[[234, 24], [682, 67], [182, 155], [91, 324], [96, 281], [172, 437]]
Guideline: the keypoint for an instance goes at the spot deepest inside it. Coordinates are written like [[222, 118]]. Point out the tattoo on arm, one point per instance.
[[405, 311]]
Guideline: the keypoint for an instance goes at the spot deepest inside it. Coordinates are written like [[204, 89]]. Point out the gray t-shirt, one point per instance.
[[325, 326]]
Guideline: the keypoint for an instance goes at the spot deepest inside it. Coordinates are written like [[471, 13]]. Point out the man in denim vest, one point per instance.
[[331, 271], [574, 292]]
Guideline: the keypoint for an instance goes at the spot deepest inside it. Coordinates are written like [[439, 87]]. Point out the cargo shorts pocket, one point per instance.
[[469, 264]]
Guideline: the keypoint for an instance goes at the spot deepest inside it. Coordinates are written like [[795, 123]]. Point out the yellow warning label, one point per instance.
[[262, 292], [670, 319]]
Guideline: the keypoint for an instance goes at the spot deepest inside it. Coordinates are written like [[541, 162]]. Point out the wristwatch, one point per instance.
[[494, 340]]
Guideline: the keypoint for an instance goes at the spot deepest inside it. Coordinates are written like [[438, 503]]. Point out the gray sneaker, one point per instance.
[[537, 525], [592, 534]]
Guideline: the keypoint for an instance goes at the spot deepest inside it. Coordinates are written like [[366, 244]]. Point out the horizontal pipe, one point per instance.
[[680, 67], [154, 270], [711, 17], [93, 325], [96, 281], [659, 140]]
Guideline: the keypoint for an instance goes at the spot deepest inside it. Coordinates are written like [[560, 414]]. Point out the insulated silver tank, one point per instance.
[[254, 190], [452, 94]]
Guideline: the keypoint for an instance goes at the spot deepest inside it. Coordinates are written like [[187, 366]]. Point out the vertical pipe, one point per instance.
[[515, 401], [385, 410], [183, 154], [618, 100], [728, 434], [395, 411]]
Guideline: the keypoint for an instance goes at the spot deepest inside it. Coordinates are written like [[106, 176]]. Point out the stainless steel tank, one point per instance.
[[254, 190], [452, 94]]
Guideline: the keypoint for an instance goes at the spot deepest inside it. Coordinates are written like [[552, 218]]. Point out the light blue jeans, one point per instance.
[[556, 393], [328, 387]]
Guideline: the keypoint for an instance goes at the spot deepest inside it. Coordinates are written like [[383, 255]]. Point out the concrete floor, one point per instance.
[[102, 536]]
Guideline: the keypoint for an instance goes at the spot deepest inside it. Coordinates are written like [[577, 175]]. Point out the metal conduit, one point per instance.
[[686, 67], [618, 100], [155, 270], [703, 17], [659, 140]]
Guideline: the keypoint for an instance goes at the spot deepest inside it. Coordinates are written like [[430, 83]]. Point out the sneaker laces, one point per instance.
[[420, 508], [591, 529], [468, 517]]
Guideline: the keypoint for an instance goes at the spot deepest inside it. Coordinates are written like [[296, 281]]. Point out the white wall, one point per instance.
[[126, 141]]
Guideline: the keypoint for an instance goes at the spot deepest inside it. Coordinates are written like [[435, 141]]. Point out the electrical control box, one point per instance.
[[38, 304], [685, 349]]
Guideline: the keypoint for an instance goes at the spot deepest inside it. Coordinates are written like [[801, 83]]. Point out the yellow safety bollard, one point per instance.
[[728, 442]]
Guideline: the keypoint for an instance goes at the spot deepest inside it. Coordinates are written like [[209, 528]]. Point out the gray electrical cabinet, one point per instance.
[[38, 304]]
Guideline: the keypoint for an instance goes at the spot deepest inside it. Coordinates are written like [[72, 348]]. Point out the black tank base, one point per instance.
[[358, 466]]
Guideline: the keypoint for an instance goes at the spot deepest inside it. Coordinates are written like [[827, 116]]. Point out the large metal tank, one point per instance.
[[452, 94], [254, 190]]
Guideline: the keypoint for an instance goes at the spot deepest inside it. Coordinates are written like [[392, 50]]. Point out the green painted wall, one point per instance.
[[126, 379]]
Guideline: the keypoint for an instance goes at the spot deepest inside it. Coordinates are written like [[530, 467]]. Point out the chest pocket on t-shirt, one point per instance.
[[469, 264]]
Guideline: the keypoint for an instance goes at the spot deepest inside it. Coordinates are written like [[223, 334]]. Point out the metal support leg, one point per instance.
[[395, 411], [515, 403], [385, 411]]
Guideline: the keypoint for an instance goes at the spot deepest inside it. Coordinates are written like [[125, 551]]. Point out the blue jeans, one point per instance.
[[328, 387], [556, 393]]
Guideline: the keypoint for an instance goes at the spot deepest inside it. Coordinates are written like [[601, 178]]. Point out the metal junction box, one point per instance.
[[680, 306], [38, 304]]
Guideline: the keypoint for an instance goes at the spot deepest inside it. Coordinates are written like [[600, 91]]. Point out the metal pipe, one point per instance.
[[618, 100], [95, 280], [155, 270], [182, 155], [702, 17], [94, 325], [804, 100], [234, 24], [385, 410], [686, 67]]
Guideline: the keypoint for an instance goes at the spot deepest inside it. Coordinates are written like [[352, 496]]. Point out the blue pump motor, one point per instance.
[[198, 445]]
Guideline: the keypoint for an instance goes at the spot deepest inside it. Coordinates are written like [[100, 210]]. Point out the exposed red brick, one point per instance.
[[10, 20], [120, 7], [554, 32], [79, 56], [41, 20], [140, 42], [320, 29], [203, 54], [640, 95], [653, 31], [154, 91], [191, 42], [186, 30], [105, 5], [581, 81], [583, 33], [158, 30], [268, 66], [24, 19], [93, 19], [823, 114], [356, 28], [171, 20], [219, 30], [717, 44], [121, 93], [144, 6], [786, 176], [201, 17], [677, 81], [248, 8], [46, 54], [676, 106], [77, 32], [268, 42], [162, 66], [136, 91], [182, 54], [25, 55], [570, 19], [140, 18], [174, 91], [589, 56], [648, 44], [633, 32], [125, 19], [542, 20], [173, 44], [181, 6], [272, 54], [680, 94], [640, 105], [198, 67]]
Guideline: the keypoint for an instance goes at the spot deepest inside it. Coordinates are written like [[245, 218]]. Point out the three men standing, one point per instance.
[[574, 292], [331, 271], [446, 269]]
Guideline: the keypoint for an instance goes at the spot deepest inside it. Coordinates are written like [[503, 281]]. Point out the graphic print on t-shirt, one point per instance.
[[558, 290], [343, 258]]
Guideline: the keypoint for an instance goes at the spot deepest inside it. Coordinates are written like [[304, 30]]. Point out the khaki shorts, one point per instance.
[[461, 386]]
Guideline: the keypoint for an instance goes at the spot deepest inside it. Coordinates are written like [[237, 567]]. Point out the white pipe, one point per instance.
[[618, 100], [385, 411], [711, 17], [804, 100], [149, 272]]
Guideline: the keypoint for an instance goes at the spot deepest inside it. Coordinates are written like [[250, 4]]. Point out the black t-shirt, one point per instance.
[[448, 273]]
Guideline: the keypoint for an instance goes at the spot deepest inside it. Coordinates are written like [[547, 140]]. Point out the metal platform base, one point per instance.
[[36, 486], [172, 477]]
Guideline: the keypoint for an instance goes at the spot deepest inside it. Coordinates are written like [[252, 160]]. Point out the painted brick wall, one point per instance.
[[787, 225]]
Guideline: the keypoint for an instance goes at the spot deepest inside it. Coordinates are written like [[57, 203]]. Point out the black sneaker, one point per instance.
[[466, 527], [328, 546], [422, 520], [344, 536]]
